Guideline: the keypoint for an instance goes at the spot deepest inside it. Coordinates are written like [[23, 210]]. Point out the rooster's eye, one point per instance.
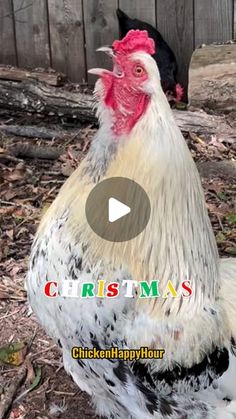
[[138, 71]]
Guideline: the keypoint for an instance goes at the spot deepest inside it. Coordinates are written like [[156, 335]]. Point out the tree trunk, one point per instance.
[[53, 78], [201, 123], [212, 77], [36, 97]]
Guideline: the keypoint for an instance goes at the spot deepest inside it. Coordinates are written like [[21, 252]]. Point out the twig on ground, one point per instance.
[[15, 204], [216, 168], [47, 182], [34, 152], [44, 350], [10, 370], [50, 362], [7, 157], [10, 314], [220, 223], [32, 338], [64, 393], [72, 138], [8, 203], [32, 132], [49, 193], [12, 390], [59, 368]]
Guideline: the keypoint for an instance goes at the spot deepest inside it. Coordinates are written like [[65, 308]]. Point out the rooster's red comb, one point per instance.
[[134, 41]]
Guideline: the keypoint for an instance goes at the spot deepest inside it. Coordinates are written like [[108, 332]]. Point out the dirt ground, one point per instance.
[[27, 187]]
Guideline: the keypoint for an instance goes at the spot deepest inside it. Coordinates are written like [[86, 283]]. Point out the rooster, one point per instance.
[[165, 57], [138, 138]]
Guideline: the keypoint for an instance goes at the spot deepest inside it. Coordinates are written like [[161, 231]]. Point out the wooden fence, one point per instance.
[[64, 34]]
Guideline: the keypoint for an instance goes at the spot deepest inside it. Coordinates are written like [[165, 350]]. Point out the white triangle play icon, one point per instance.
[[117, 210]]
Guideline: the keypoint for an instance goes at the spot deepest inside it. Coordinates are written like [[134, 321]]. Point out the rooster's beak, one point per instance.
[[99, 71], [107, 49], [117, 70]]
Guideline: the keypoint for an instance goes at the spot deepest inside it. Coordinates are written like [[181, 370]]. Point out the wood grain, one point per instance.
[[67, 39], [32, 39], [39, 98], [234, 28], [66, 33], [36, 97], [52, 78], [212, 78], [7, 38], [213, 21], [175, 22], [101, 28], [140, 9]]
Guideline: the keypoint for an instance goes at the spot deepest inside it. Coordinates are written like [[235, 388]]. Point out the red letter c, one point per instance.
[[47, 289]]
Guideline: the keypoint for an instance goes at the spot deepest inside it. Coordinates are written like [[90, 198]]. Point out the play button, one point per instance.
[[118, 209]]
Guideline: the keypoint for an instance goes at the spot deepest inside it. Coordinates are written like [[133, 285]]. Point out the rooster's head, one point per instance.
[[127, 90]]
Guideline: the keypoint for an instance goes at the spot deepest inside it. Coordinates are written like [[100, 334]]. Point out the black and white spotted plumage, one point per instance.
[[100, 324]]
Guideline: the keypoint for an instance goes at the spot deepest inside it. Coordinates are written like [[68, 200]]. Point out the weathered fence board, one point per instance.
[[213, 21], [234, 28], [67, 37], [101, 28], [140, 9], [66, 33], [32, 38], [7, 37], [175, 22]]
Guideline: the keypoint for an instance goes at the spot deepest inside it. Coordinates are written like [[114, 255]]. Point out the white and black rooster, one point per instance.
[[138, 139]]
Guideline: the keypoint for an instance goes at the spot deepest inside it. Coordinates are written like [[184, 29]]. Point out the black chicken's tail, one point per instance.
[[125, 23], [121, 15]]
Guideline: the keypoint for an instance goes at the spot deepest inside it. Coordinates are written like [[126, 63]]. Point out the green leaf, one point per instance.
[[181, 106], [220, 237], [222, 196], [14, 353], [231, 250], [37, 379], [231, 218]]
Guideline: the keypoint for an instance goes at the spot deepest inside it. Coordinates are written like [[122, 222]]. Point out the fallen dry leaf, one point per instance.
[[16, 174], [10, 234], [14, 353], [216, 142], [217, 210], [18, 413], [3, 293], [7, 211], [215, 186], [30, 371]]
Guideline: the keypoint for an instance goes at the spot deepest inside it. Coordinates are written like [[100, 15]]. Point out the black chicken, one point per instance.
[[164, 56]]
